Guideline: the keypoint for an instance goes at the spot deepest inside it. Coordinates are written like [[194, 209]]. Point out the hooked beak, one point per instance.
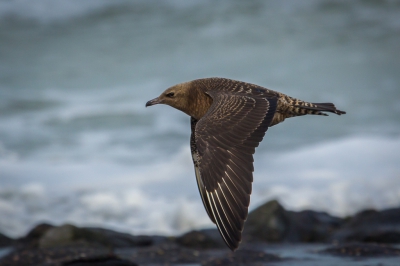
[[153, 102]]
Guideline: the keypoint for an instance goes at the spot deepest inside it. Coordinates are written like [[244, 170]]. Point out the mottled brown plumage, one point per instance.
[[228, 120]]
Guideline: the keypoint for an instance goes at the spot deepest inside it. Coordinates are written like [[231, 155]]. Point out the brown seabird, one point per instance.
[[229, 119]]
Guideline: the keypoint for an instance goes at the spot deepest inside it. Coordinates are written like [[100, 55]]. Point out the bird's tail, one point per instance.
[[305, 108], [291, 107]]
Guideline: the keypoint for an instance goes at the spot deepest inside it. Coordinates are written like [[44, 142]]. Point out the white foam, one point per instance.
[[339, 177], [128, 210], [64, 148]]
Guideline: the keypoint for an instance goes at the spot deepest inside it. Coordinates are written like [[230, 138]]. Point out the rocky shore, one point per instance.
[[272, 235]]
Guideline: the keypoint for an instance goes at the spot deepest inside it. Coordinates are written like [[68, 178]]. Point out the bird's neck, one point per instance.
[[198, 103]]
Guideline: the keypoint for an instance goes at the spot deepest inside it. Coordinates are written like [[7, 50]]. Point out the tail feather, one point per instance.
[[319, 108], [291, 107]]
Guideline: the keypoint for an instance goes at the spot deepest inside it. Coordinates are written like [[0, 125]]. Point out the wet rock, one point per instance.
[[69, 235], [362, 250], [55, 256], [371, 226], [203, 239], [312, 226], [110, 261], [269, 222], [165, 254], [5, 241], [272, 223], [124, 240], [243, 257], [31, 240]]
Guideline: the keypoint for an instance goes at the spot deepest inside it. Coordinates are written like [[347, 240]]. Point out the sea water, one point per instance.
[[77, 144]]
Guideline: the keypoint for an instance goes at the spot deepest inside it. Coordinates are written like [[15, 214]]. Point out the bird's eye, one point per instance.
[[171, 94]]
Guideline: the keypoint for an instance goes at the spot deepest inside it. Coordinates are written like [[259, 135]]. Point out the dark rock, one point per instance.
[[39, 230], [123, 240], [173, 254], [362, 250], [31, 240], [165, 254], [110, 261], [44, 236], [243, 257], [69, 235], [208, 238], [272, 223], [269, 222], [312, 226], [55, 256], [5, 241], [371, 226]]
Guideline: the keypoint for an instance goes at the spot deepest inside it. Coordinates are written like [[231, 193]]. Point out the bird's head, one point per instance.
[[175, 96]]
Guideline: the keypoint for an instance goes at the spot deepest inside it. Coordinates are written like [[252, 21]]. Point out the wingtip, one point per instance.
[[235, 247], [339, 112]]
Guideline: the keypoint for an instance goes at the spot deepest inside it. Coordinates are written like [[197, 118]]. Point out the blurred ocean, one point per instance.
[[78, 145]]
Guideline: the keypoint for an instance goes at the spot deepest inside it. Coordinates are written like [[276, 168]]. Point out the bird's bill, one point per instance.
[[153, 102]]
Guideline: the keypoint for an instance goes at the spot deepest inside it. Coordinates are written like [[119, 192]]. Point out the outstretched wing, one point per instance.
[[223, 143], [195, 157]]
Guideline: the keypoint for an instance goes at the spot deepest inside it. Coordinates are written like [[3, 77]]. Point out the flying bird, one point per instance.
[[229, 119]]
